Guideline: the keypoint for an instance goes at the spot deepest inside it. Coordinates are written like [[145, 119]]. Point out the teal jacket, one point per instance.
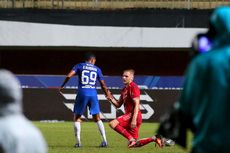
[[206, 91]]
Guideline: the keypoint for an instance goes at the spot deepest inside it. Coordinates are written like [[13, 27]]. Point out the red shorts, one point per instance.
[[125, 122]]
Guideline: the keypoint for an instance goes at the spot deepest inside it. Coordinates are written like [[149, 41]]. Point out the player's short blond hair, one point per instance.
[[132, 71]]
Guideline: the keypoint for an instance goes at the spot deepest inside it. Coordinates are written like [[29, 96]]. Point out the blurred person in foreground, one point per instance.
[[17, 133], [88, 74], [204, 103], [128, 124]]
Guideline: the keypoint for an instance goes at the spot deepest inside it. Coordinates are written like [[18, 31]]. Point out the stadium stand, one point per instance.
[[112, 4]]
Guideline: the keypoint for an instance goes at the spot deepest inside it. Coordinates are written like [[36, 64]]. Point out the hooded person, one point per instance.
[[204, 102], [17, 133]]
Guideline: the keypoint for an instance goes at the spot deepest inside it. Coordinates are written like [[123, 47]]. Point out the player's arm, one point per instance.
[[68, 76], [136, 109], [115, 102], [105, 89], [109, 95]]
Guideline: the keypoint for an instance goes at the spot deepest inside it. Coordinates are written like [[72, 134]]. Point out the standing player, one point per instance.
[[87, 74], [129, 123]]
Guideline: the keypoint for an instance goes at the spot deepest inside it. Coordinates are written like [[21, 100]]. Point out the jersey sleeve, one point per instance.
[[99, 74], [75, 68], [135, 92]]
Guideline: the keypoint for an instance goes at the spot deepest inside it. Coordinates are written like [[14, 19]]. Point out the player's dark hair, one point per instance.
[[88, 56]]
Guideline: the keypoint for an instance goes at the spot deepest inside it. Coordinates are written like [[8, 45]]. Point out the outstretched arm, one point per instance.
[[105, 89], [109, 95], [69, 75], [115, 102]]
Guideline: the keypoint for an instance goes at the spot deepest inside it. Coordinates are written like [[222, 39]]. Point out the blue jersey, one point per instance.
[[88, 74]]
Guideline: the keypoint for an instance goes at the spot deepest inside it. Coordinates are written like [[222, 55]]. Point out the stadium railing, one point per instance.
[[112, 4]]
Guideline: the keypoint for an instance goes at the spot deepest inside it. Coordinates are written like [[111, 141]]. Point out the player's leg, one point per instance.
[[101, 129], [95, 110], [77, 130], [145, 141], [79, 107], [121, 124], [135, 131]]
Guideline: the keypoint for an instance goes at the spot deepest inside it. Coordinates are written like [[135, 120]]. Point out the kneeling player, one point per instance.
[[128, 124]]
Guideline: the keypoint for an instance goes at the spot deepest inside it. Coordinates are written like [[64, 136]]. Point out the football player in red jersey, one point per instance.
[[128, 124]]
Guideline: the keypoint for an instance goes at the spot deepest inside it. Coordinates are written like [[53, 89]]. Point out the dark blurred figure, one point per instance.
[[204, 103], [17, 133]]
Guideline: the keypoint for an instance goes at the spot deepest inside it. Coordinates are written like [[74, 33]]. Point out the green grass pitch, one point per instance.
[[60, 139]]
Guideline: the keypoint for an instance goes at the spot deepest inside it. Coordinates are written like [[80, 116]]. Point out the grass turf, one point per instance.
[[60, 139]]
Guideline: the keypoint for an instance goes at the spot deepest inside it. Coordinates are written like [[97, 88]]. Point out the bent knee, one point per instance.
[[77, 118], [113, 123], [96, 118]]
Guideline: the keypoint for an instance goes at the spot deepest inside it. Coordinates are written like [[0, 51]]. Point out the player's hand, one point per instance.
[[133, 124], [111, 99], [109, 96]]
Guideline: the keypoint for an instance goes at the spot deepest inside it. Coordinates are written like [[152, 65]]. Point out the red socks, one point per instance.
[[123, 132], [128, 136], [143, 142]]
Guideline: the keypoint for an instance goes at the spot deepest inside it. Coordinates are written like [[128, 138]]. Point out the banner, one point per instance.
[[50, 104], [113, 82]]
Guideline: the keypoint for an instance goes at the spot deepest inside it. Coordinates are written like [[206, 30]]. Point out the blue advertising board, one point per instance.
[[113, 82]]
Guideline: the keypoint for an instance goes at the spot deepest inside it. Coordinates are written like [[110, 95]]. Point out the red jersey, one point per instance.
[[127, 94]]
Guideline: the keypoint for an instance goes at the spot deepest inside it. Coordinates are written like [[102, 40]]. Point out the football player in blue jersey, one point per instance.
[[87, 74]]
